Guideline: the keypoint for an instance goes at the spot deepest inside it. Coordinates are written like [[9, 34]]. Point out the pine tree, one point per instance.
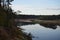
[[8, 2]]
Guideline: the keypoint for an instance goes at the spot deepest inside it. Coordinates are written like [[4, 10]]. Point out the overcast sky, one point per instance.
[[37, 7]]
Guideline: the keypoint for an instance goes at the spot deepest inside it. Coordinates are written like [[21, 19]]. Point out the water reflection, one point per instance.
[[53, 26], [41, 31]]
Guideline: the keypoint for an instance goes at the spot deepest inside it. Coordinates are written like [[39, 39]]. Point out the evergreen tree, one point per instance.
[[8, 2]]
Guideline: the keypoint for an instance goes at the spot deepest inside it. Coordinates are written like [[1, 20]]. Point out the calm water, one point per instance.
[[42, 33]]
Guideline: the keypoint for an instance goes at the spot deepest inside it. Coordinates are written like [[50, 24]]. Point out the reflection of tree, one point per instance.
[[23, 23], [29, 36], [53, 26]]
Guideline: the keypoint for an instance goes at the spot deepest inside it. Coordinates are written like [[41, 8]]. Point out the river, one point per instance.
[[42, 33]]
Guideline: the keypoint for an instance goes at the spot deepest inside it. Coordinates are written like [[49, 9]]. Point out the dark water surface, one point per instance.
[[42, 33]]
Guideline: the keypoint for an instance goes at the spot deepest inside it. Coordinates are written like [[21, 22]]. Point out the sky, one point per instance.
[[37, 7]]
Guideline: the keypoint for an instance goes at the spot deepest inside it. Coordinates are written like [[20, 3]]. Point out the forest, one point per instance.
[[40, 17]]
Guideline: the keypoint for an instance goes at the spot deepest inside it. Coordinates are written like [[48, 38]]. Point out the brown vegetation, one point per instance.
[[8, 28]]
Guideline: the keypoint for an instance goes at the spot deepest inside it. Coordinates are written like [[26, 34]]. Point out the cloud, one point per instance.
[[36, 10], [53, 8]]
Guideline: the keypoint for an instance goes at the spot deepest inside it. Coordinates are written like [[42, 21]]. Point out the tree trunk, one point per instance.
[[0, 2], [8, 4], [3, 3]]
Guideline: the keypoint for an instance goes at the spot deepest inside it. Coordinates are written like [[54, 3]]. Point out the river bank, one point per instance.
[[8, 27]]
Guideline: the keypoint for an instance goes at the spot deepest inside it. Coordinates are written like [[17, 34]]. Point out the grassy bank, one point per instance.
[[8, 28]]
